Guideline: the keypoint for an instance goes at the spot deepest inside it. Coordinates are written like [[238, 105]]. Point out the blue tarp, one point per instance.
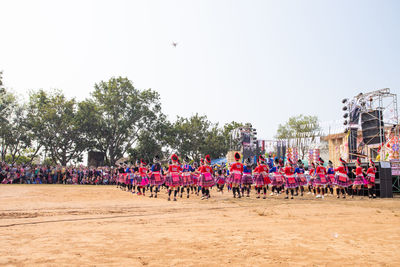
[[218, 161]]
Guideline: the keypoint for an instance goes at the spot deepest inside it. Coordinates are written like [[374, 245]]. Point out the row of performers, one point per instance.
[[291, 178]]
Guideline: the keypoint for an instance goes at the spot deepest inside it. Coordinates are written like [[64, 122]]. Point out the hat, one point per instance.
[[290, 161], [187, 159], [299, 162], [342, 161], [261, 158], [208, 159], [320, 160], [142, 161], [372, 163], [237, 156], [358, 161], [330, 162], [247, 161], [156, 158], [202, 161], [174, 158]]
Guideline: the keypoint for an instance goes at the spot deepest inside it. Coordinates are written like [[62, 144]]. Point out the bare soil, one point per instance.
[[60, 225]]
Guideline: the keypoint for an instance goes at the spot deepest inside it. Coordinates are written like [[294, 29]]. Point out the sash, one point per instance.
[[207, 176], [157, 176], [175, 177], [342, 177], [291, 179], [371, 177]]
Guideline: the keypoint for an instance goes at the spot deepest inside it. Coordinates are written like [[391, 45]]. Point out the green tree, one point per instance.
[[196, 136], [191, 136], [301, 129], [52, 119], [119, 114]]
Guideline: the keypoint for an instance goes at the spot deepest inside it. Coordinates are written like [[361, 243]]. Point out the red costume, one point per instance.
[[237, 166]]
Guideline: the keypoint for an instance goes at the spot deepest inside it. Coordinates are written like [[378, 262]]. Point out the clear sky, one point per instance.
[[248, 61]]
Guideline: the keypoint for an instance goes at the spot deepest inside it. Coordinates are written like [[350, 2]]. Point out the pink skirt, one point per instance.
[[301, 179], [277, 179], [235, 178], [291, 181], [206, 180], [173, 180], [187, 179], [156, 179], [359, 180]]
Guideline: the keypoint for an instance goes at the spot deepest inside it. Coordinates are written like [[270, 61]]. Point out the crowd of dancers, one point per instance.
[[290, 178]]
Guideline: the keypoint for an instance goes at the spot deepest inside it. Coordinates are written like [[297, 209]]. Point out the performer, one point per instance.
[[291, 182], [195, 179], [277, 178], [121, 171], [301, 178], [320, 179], [186, 177], [144, 181], [206, 179], [156, 177], [371, 179], [330, 177], [247, 179], [136, 177], [173, 180], [311, 174], [220, 177], [236, 171], [342, 179], [359, 180], [130, 177], [261, 177]]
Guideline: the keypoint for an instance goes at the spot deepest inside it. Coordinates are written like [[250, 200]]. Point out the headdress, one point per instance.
[[237, 156], [174, 158], [372, 163]]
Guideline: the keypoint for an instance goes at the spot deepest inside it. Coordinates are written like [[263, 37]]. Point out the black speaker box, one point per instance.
[[352, 142], [383, 178], [95, 158], [371, 122]]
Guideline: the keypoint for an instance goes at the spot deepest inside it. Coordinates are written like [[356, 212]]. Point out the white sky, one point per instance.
[[248, 61]]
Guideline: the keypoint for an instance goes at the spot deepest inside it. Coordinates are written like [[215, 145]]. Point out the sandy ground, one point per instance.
[[102, 225]]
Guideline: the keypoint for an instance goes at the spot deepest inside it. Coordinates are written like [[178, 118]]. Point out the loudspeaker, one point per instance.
[[95, 158], [352, 142], [383, 178], [370, 124]]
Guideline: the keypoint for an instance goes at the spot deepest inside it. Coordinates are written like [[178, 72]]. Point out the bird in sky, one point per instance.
[[174, 44]]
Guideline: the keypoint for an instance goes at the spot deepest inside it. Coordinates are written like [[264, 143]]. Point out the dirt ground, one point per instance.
[[101, 225]]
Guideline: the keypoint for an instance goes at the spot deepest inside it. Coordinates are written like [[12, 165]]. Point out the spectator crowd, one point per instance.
[[37, 174]]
